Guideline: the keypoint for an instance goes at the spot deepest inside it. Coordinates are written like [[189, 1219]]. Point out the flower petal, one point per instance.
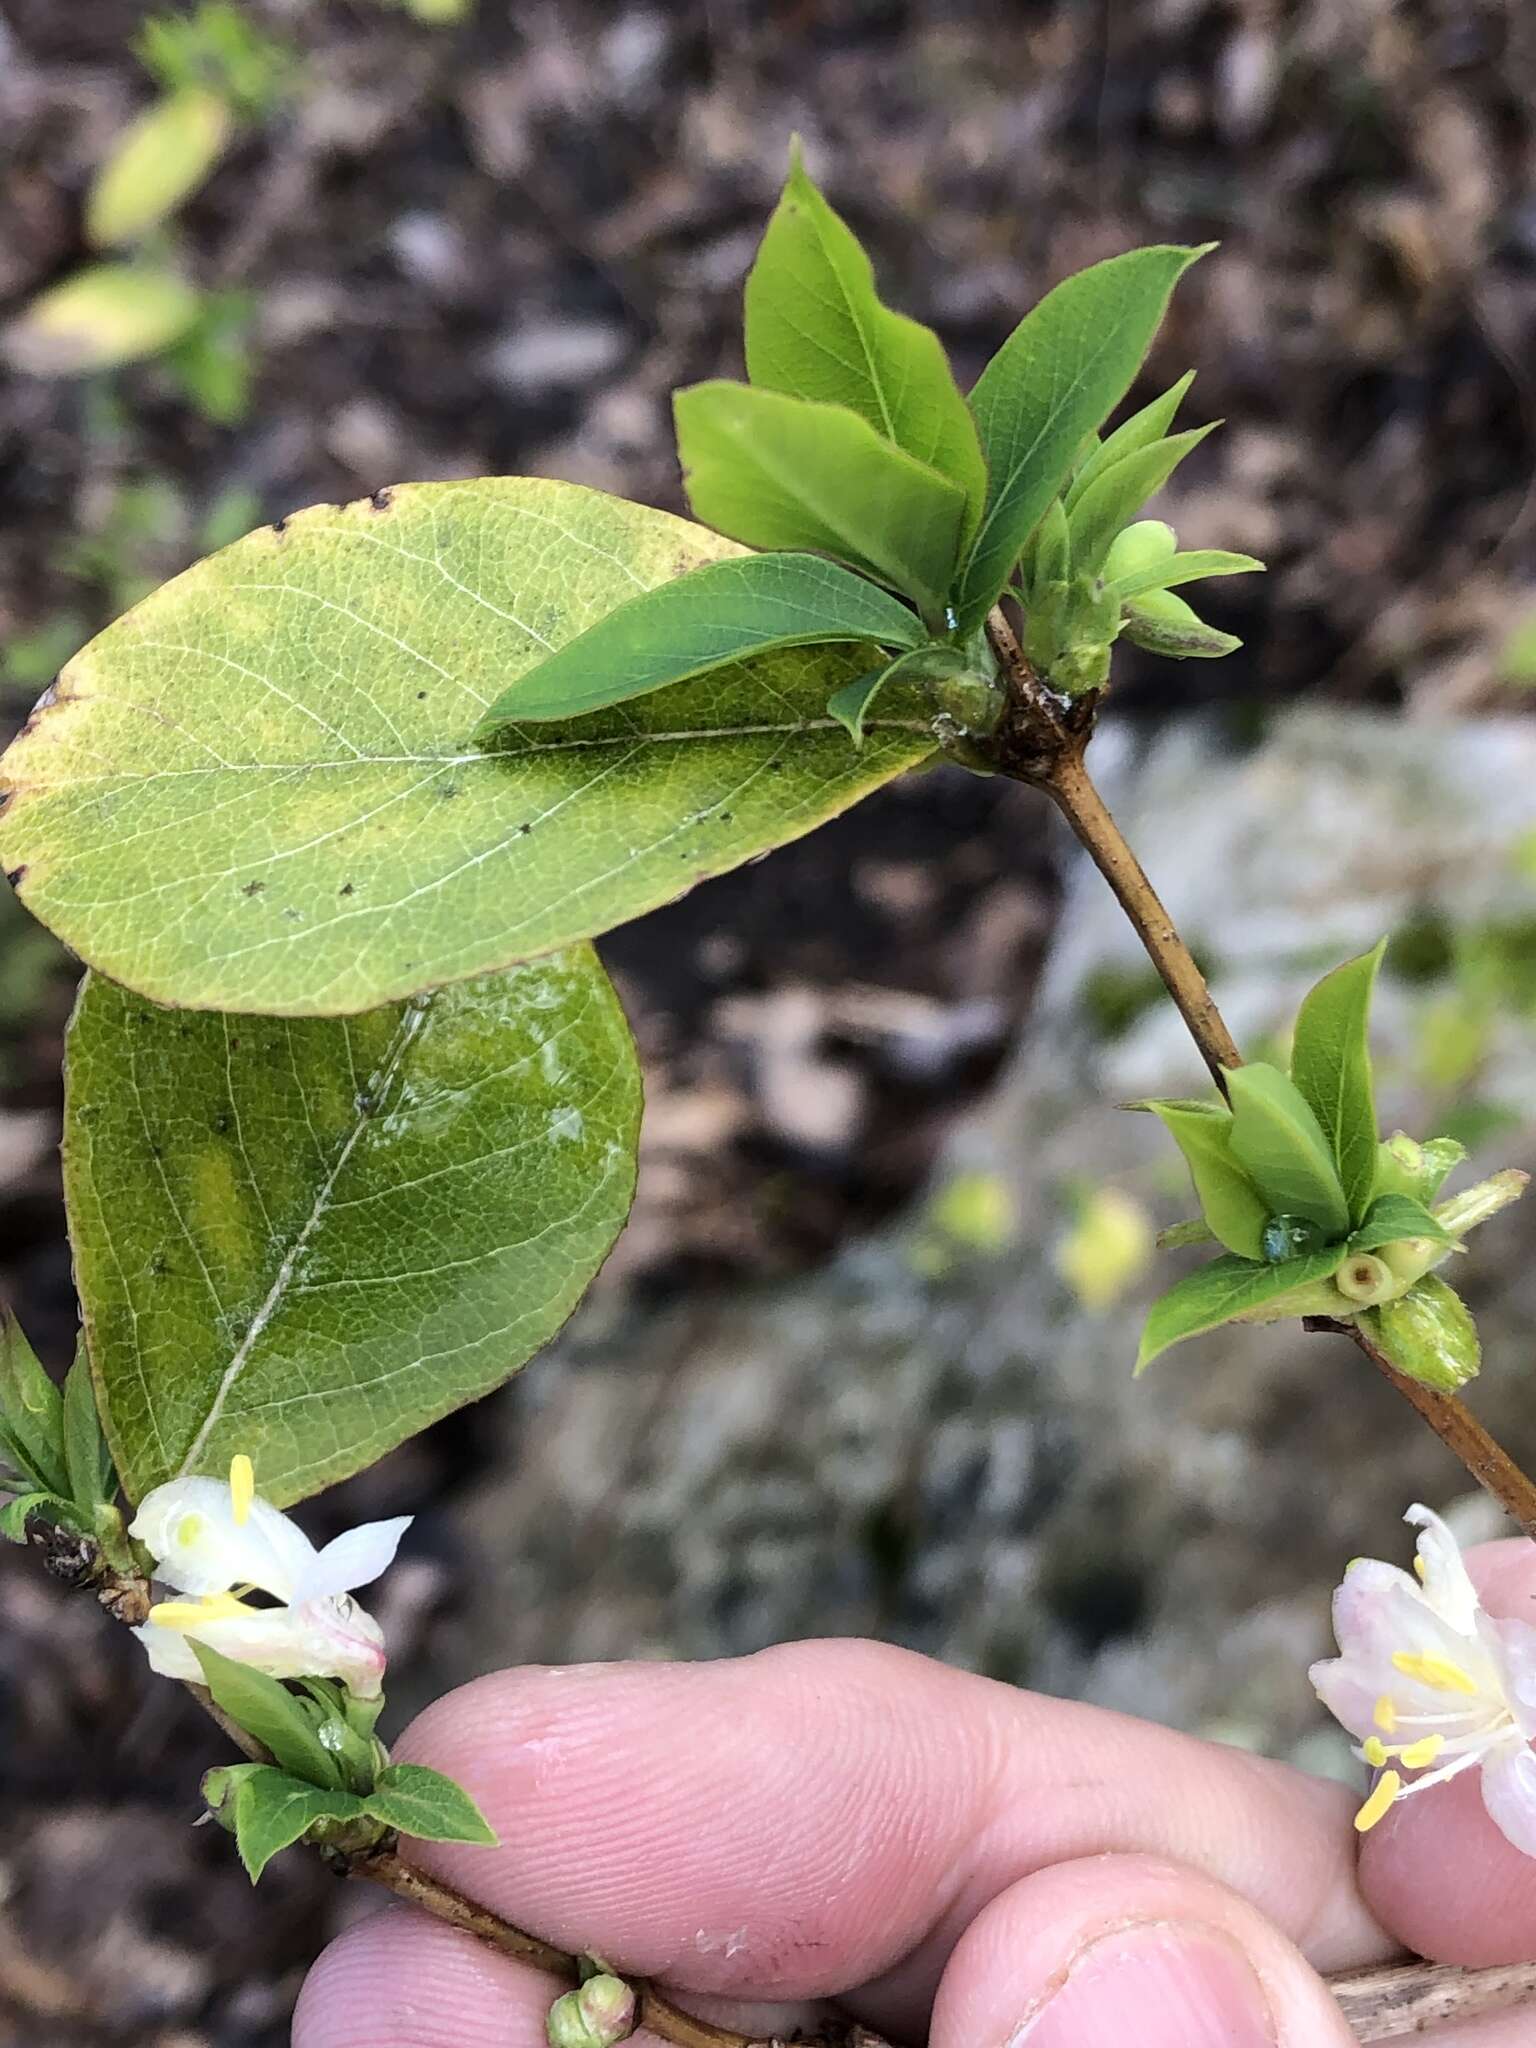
[[1447, 1587], [353, 1559], [189, 1527], [1509, 1793], [170, 1654], [1513, 1644]]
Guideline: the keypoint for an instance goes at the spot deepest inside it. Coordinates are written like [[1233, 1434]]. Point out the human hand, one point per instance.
[[949, 1858]]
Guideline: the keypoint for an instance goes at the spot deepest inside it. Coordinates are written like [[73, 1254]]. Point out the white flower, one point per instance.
[[1432, 1686], [217, 1543]]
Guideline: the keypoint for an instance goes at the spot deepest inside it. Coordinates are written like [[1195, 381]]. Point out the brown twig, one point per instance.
[[1455, 1425], [1042, 741]]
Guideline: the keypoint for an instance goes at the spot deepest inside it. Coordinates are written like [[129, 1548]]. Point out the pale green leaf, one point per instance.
[[1230, 1203], [306, 1240], [850, 706], [1139, 431], [720, 613], [100, 318], [1275, 1136], [781, 472], [274, 1810], [1231, 1290], [1189, 566], [1118, 493], [256, 791], [815, 328], [159, 161], [31, 1413], [1062, 371], [1392, 1218], [425, 1804], [91, 1477], [1331, 1066], [267, 1710]]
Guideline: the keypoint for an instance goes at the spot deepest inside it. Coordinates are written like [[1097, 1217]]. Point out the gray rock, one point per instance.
[[935, 1444]]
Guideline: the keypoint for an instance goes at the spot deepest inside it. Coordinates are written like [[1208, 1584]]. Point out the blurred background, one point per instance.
[[862, 1361]]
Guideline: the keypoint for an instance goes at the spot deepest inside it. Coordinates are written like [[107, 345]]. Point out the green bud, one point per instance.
[[973, 702], [1429, 1335], [599, 2014], [1366, 1280], [1405, 1167], [219, 1789], [1163, 623], [1080, 669], [1476, 1204], [1138, 547]]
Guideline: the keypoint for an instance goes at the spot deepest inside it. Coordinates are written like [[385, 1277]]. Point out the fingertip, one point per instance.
[[400, 1980]]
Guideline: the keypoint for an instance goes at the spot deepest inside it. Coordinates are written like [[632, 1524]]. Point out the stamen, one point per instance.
[[1388, 1785], [1386, 1715], [242, 1488], [1375, 1752], [1419, 1755], [1421, 1568], [185, 1614], [1438, 1673]]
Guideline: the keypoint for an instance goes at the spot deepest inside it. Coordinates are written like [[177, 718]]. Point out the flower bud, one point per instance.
[[599, 2014], [1140, 546], [219, 1790], [1429, 1335], [1366, 1280]]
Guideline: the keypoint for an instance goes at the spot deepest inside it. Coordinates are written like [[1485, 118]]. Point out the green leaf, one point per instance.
[[1165, 624], [816, 329], [159, 161], [1048, 556], [273, 1811], [781, 472], [1428, 1333], [31, 1413], [255, 791], [1276, 1137], [15, 1514], [1064, 368], [1236, 1290], [266, 1709], [850, 706], [1391, 1218], [92, 1479], [99, 319], [1331, 1066], [306, 1241], [1230, 1203], [723, 612], [1139, 431], [1405, 1167], [1190, 566], [423, 1803], [1117, 494]]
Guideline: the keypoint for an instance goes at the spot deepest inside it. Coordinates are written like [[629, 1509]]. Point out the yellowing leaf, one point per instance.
[[100, 318], [257, 790], [158, 162]]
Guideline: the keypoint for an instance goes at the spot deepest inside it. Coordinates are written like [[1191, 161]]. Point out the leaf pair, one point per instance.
[[326, 1769], [268, 1810], [1289, 1176]]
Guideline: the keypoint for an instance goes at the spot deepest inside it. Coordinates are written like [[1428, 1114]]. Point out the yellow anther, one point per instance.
[[1375, 1752], [1418, 1754], [1421, 1568], [1388, 1785], [186, 1614], [1438, 1673], [242, 1487], [1386, 1715]]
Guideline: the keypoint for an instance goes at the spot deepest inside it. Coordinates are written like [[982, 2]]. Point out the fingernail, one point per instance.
[[1161, 1987]]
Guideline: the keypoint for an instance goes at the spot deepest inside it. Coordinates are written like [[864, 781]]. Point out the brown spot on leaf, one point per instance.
[[16, 876], [345, 889], [253, 888], [382, 500]]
